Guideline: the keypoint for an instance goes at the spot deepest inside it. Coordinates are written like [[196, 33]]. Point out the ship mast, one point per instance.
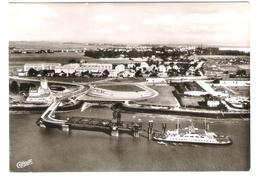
[[206, 125], [178, 125]]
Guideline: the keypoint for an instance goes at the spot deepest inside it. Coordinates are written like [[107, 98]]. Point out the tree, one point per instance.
[[241, 72], [154, 73], [72, 61], [14, 88], [105, 73], [25, 87], [44, 72], [172, 72], [32, 72], [85, 73], [138, 73], [150, 62]]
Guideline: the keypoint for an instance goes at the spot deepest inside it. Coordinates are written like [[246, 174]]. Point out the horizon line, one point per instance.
[[134, 43]]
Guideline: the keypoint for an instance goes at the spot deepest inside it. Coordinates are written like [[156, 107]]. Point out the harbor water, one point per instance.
[[54, 150]]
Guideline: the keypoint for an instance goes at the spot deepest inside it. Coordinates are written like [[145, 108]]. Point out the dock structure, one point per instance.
[[150, 129], [65, 128], [104, 125], [113, 126]]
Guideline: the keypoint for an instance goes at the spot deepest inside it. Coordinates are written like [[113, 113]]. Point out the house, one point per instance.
[[127, 74], [120, 68], [155, 80], [144, 66], [95, 67], [162, 68], [162, 75], [130, 65]]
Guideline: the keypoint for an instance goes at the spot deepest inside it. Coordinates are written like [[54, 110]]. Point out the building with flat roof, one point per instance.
[[41, 95], [68, 68], [95, 67], [40, 66]]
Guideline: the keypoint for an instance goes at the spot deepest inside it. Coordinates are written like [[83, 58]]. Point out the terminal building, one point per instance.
[[42, 95]]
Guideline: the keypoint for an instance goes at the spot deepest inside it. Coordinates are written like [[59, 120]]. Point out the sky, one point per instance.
[[223, 24]]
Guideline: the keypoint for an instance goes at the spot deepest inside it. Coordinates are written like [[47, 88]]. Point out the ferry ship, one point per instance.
[[191, 135]]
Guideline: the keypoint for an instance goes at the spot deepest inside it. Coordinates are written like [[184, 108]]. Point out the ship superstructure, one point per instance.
[[191, 134]]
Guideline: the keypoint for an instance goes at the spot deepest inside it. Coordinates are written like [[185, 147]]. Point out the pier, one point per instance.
[[114, 126]]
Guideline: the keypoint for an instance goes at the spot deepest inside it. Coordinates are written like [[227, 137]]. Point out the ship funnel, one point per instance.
[[178, 125], [164, 127], [150, 129], [207, 127]]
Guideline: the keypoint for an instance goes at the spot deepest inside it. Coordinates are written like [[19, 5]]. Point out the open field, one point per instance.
[[165, 96], [219, 57], [127, 80], [18, 60], [187, 86], [109, 60], [234, 90], [192, 101], [63, 58], [57, 45], [121, 87], [68, 79], [240, 90]]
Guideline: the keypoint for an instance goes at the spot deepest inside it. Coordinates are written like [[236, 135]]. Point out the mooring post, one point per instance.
[[140, 123], [114, 130], [150, 129], [207, 126], [136, 130], [118, 118], [164, 127], [114, 116], [65, 128]]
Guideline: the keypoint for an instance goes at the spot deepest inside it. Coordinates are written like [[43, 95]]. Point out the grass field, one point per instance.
[[187, 86], [121, 87], [165, 96], [62, 58], [240, 90], [69, 79], [234, 90], [57, 45], [127, 80], [192, 101]]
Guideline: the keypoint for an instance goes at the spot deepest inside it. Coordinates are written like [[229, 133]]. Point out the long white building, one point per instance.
[[68, 68], [95, 67], [40, 66]]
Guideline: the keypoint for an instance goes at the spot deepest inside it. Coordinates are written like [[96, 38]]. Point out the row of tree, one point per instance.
[[15, 87], [216, 51], [44, 73], [113, 53]]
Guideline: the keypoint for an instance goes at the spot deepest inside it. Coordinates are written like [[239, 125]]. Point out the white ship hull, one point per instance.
[[194, 141]]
